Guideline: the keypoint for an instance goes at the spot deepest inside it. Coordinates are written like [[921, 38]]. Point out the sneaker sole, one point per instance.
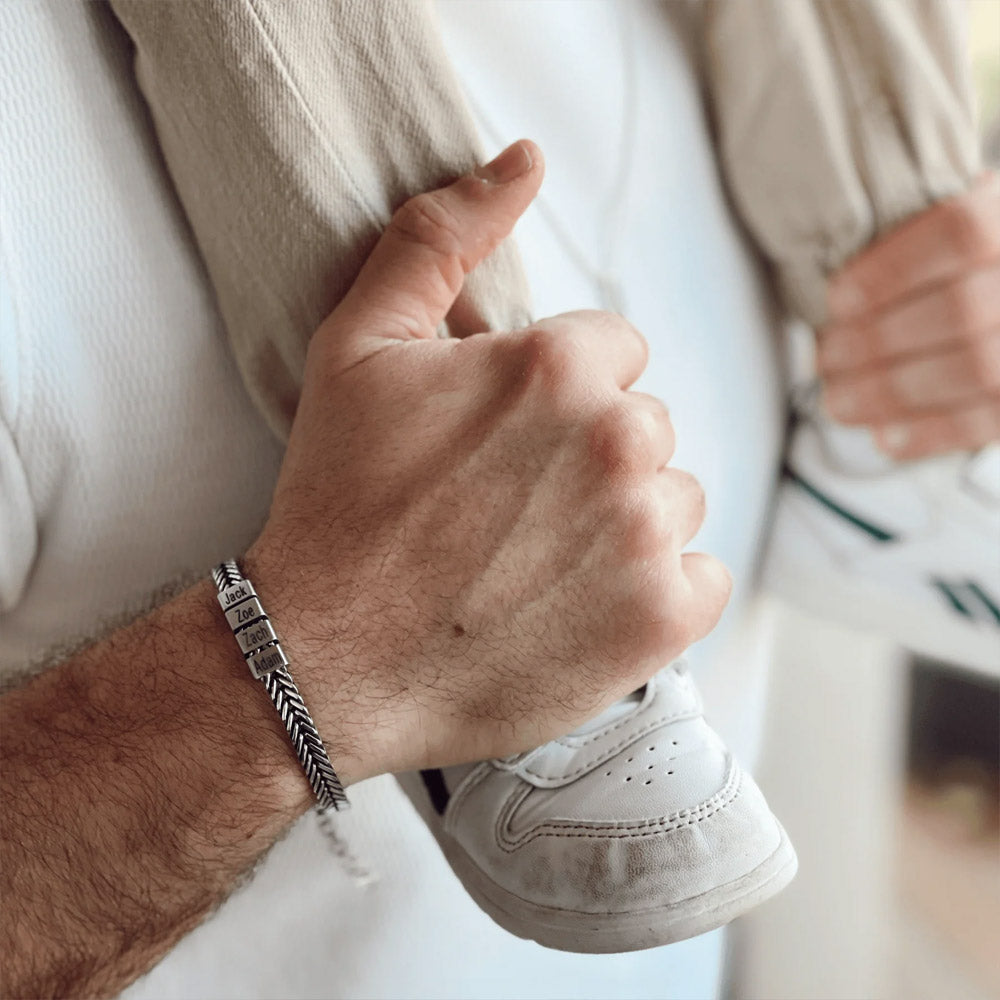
[[607, 933]]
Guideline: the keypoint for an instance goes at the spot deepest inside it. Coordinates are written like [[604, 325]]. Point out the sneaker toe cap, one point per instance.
[[592, 863]]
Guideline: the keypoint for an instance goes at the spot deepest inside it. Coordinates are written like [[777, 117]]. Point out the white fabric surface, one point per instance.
[[129, 452]]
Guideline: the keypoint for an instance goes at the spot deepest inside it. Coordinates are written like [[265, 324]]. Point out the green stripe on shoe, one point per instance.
[[880, 534], [984, 599], [951, 597]]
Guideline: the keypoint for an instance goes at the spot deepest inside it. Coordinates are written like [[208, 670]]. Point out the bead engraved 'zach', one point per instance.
[[254, 636]]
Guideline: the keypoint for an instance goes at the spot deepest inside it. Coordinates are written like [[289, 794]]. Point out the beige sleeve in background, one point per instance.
[[291, 131], [837, 119]]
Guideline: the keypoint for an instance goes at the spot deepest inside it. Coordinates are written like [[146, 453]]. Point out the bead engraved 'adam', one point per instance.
[[265, 660]]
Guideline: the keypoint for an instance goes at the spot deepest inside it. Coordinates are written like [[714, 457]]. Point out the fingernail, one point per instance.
[[512, 163], [895, 437]]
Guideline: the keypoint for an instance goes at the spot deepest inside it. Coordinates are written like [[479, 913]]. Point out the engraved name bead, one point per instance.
[[255, 636], [244, 613], [265, 660], [235, 593]]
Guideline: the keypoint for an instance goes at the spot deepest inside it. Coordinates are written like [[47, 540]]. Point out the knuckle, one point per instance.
[[551, 359], [428, 220], [695, 497], [651, 409], [630, 330], [687, 484], [543, 345], [619, 441]]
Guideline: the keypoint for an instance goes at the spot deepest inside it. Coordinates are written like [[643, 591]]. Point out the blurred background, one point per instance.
[[884, 769]]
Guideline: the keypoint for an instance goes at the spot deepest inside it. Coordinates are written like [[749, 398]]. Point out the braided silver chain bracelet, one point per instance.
[[267, 661]]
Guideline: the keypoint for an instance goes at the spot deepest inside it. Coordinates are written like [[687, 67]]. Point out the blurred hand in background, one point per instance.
[[912, 346]]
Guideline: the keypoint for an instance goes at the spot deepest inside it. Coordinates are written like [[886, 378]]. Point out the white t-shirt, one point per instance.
[[130, 452]]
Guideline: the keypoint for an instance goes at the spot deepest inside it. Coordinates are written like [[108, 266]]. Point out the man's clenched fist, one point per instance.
[[474, 545]]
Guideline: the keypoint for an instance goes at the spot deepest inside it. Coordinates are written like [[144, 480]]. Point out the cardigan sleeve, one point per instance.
[[291, 132], [836, 120]]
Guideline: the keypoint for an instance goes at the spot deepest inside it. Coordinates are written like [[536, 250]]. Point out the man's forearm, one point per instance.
[[139, 780]]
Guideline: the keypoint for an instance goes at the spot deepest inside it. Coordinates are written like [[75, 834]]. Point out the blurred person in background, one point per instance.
[[133, 456]]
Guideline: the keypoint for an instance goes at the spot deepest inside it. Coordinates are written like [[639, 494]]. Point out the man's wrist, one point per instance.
[[168, 774], [318, 666], [234, 710]]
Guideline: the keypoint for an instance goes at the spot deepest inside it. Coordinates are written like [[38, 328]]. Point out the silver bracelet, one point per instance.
[[267, 661]]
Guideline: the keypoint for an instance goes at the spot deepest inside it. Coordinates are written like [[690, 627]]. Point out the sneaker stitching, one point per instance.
[[726, 795], [612, 750]]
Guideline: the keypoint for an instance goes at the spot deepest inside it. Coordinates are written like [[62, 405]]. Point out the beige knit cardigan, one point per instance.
[[293, 128]]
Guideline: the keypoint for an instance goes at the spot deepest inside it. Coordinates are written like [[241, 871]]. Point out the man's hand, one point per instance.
[[912, 349], [474, 544]]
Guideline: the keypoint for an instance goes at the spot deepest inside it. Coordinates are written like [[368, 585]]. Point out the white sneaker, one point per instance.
[[636, 830], [908, 549]]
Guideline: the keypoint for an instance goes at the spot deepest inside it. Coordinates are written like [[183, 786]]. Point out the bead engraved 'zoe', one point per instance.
[[266, 659]]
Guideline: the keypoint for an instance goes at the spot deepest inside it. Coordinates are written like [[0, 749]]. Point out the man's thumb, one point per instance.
[[416, 270]]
